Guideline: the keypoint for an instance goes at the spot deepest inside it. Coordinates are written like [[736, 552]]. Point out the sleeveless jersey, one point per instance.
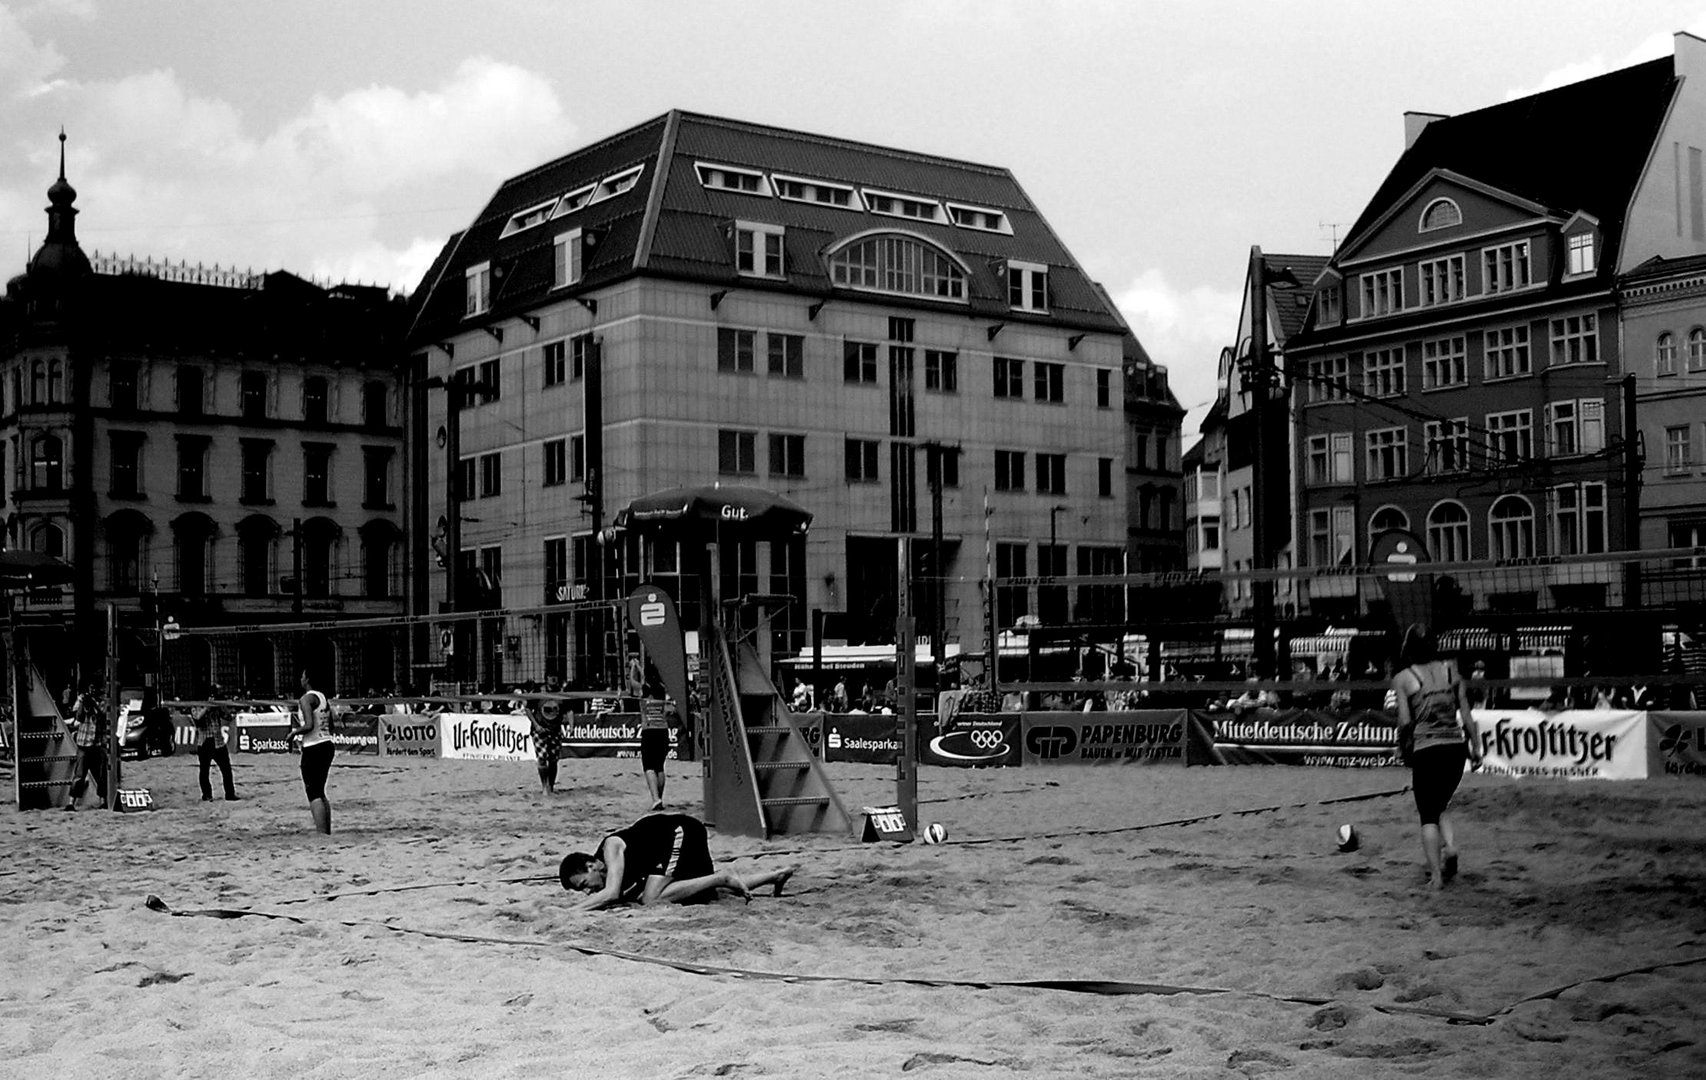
[[319, 719], [1433, 704]]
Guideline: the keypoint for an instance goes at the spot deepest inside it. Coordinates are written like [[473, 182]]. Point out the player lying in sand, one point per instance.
[[661, 858]]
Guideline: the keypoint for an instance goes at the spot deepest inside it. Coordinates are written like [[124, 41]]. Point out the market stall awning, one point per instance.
[[723, 508], [845, 657]]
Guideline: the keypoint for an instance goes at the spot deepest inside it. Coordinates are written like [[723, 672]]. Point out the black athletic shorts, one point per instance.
[[316, 764], [654, 748], [1435, 772]]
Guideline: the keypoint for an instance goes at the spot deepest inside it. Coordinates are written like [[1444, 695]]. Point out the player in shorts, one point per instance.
[[313, 721], [661, 858], [547, 739], [654, 748]]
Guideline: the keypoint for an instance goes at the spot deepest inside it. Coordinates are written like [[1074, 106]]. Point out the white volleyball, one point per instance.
[[934, 833], [1348, 838]]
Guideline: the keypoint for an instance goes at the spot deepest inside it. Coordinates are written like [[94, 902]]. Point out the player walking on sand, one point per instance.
[[1436, 733], [661, 858]]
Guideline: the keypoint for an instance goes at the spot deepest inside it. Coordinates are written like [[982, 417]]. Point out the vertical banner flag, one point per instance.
[[652, 614], [1409, 590]]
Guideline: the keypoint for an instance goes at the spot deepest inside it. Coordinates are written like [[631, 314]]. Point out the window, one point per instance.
[[556, 357], [1327, 305], [189, 391], [374, 412], [1441, 214], [126, 472], [1009, 470], [1697, 349], [1448, 532], [1317, 462], [376, 477], [1104, 388], [1686, 534], [254, 545], [47, 463], [1510, 528], [1382, 292], [898, 264], [1010, 602], [897, 205], [941, 371], [1009, 377], [979, 217], [568, 259], [859, 362], [862, 461], [1383, 372], [577, 457], [1575, 339], [581, 348], [947, 460], [788, 455], [1679, 448], [491, 475], [1050, 381], [257, 458], [1328, 459], [1332, 539], [1447, 443], [465, 478], [254, 395], [314, 400], [528, 218], [1027, 286], [1578, 519], [316, 475], [488, 374], [1510, 437], [1327, 379], [192, 466], [1385, 519], [729, 178], [1442, 280], [737, 453], [478, 286], [1580, 254], [556, 462], [1445, 362], [1575, 427], [795, 189], [758, 250], [1506, 352], [787, 355], [556, 568], [1505, 267], [612, 186], [1664, 354], [121, 387], [735, 349], [1051, 474], [1388, 453], [1105, 478]]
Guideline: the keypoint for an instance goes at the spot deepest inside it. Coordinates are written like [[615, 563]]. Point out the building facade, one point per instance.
[[204, 446], [1155, 500], [1460, 375], [1663, 304], [896, 341]]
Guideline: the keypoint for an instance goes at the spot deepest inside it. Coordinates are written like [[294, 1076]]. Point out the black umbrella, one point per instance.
[[748, 511], [32, 570]]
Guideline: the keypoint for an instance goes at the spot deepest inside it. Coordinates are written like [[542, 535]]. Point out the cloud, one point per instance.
[[1183, 328], [335, 190], [1650, 48]]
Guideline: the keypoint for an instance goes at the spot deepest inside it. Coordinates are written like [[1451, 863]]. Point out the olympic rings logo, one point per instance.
[[987, 739]]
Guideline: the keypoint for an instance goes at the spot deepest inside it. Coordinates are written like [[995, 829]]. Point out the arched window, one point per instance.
[[127, 533], [379, 542], [38, 383], [55, 377], [898, 263], [1387, 517], [314, 399], [319, 555], [47, 463], [193, 546], [1664, 354], [1448, 532], [1510, 528], [49, 539], [1697, 349], [1441, 214]]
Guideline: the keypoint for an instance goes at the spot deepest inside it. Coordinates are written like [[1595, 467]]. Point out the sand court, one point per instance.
[[1085, 921]]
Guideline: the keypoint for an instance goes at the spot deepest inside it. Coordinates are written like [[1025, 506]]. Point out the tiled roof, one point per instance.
[[1515, 146], [670, 224], [1289, 304]]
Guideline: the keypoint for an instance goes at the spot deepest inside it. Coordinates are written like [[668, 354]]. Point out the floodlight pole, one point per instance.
[[906, 710]]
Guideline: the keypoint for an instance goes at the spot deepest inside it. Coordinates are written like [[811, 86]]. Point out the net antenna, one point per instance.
[[1332, 228]]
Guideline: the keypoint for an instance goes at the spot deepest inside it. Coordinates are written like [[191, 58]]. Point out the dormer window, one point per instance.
[[1440, 214], [612, 186], [573, 201], [568, 258], [1581, 254], [479, 290], [729, 178], [1027, 286], [533, 215], [978, 217], [906, 206], [1327, 305], [798, 189], [758, 249]]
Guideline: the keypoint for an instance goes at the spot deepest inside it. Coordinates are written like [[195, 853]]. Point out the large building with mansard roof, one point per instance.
[[896, 341]]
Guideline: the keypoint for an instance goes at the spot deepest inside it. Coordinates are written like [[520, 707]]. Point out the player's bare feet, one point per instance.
[[781, 880]]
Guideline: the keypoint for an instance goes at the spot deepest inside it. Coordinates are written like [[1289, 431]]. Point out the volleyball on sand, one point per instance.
[[934, 833], [1348, 839]]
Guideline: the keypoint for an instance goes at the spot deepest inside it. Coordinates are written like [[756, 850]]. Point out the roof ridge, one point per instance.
[[852, 144]]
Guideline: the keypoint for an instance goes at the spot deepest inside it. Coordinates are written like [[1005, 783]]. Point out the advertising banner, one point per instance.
[[1355, 739], [1676, 744], [607, 734], [408, 735], [871, 738], [1596, 744], [356, 733], [1143, 737], [976, 739], [263, 732], [485, 737]]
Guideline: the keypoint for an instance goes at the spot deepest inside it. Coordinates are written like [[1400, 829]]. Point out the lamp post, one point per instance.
[[456, 391]]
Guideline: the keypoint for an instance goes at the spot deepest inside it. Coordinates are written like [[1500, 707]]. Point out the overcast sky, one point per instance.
[[345, 139]]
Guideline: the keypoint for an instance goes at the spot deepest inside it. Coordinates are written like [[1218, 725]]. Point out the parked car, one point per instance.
[[145, 726]]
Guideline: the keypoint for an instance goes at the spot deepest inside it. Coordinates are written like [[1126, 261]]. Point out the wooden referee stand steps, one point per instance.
[[761, 777], [45, 754]]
